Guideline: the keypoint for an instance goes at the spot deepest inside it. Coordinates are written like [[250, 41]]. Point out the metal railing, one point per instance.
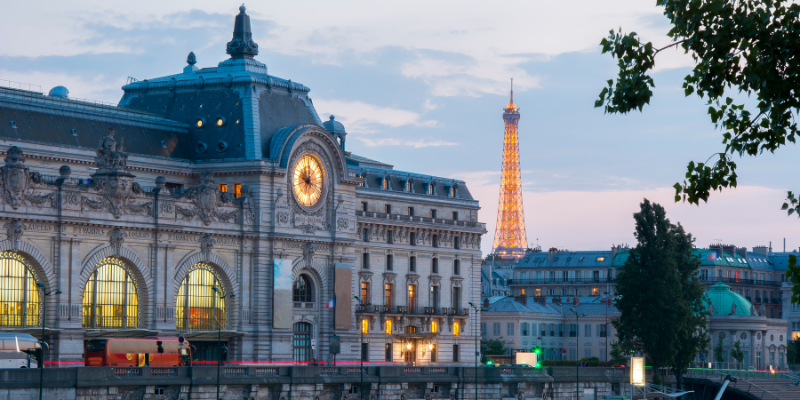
[[413, 218], [561, 281], [413, 310]]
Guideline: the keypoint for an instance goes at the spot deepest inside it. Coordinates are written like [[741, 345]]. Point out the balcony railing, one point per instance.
[[412, 310], [740, 281], [412, 218], [548, 281]]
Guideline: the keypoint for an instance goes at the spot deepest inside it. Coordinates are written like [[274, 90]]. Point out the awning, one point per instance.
[[33, 331], [120, 333], [211, 335]]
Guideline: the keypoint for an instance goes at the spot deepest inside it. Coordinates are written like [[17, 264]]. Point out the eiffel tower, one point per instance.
[[509, 236]]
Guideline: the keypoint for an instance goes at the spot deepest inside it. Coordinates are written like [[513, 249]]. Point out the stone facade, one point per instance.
[[194, 176]]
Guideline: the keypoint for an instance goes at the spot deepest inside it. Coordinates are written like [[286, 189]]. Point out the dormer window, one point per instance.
[[385, 183], [408, 186], [429, 189], [452, 191]]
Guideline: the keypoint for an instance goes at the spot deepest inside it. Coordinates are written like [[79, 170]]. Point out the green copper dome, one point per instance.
[[722, 301]]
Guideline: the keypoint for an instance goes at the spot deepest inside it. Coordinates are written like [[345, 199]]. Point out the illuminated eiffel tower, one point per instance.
[[509, 236]]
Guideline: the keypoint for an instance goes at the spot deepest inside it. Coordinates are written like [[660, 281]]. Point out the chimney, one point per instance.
[[610, 300], [541, 300], [575, 301], [614, 251], [485, 304], [557, 300], [522, 299], [742, 252], [760, 250], [551, 253]]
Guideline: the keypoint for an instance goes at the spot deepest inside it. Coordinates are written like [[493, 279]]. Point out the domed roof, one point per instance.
[[59, 91], [722, 301], [333, 126]]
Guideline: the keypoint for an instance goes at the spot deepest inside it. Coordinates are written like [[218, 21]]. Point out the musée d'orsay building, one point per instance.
[[216, 201]]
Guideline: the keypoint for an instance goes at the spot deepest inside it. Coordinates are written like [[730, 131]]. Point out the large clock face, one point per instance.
[[307, 180]]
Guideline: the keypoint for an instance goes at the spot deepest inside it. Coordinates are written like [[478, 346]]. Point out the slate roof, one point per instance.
[[32, 117], [569, 259], [587, 305], [373, 176]]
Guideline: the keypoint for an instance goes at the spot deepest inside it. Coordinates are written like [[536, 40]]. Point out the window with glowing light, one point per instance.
[[110, 299], [223, 188], [408, 186], [19, 296], [199, 306], [364, 326], [456, 329], [434, 326], [388, 327]]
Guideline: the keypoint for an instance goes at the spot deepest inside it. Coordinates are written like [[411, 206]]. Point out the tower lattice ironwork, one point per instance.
[[509, 236]]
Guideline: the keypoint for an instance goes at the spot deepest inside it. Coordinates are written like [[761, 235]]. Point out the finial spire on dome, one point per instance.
[[242, 44]]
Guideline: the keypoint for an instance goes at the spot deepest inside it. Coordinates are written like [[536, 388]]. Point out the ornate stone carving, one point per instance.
[[15, 230], [206, 245], [308, 254], [117, 238], [206, 197], [17, 179], [112, 181], [342, 223]]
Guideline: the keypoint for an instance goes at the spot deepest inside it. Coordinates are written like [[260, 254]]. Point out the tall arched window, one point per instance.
[[303, 290], [200, 307], [19, 296], [110, 299]]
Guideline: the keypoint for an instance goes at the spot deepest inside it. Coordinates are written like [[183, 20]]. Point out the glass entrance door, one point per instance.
[[302, 342], [410, 354]]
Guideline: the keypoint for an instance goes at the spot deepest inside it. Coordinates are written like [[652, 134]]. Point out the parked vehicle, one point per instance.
[[18, 350], [153, 351]]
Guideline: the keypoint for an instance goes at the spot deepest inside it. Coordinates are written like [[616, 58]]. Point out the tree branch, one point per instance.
[[671, 45]]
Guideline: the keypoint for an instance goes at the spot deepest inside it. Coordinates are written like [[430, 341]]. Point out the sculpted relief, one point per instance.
[[18, 183]]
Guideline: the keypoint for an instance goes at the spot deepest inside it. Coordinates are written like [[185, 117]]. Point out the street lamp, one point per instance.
[[477, 349], [222, 296], [361, 328], [577, 349], [41, 350]]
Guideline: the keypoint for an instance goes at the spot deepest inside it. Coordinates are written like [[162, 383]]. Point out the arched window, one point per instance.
[[303, 290], [19, 296], [200, 307], [111, 299], [302, 342]]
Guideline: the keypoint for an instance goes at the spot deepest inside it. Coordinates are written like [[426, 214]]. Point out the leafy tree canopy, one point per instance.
[[738, 46], [494, 347]]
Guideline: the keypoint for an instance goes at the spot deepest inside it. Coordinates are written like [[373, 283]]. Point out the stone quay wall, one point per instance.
[[310, 383]]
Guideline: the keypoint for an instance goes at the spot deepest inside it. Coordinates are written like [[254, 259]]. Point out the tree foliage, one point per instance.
[[660, 278], [749, 47], [494, 347], [736, 352], [719, 348]]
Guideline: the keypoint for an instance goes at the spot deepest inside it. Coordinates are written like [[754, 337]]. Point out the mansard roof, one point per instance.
[[374, 172]]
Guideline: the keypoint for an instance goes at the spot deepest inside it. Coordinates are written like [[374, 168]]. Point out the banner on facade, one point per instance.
[[282, 294], [344, 295]]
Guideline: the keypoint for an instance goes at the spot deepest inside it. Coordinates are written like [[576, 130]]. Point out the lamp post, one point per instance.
[[40, 285], [477, 349], [577, 348], [222, 296], [361, 328]]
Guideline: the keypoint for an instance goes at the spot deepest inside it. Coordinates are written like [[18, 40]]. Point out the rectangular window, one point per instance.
[[434, 356], [412, 264], [456, 351], [573, 330], [364, 206], [389, 262], [457, 268], [364, 326], [538, 292], [434, 326], [601, 330], [387, 208], [452, 191], [412, 239], [552, 329], [543, 330], [522, 292], [365, 261], [389, 237], [587, 330], [433, 213], [483, 329], [388, 352], [510, 328], [412, 297], [560, 330], [364, 292], [385, 183], [496, 329], [435, 264], [410, 211], [435, 240], [365, 351], [524, 329], [388, 327], [223, 188], [237, 190], [455, 215], [408, 186], [457, 243], [456, 329], [429, 189], [587, 353], [388, 294], [456, 294], [434, 297], [365, 235]]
